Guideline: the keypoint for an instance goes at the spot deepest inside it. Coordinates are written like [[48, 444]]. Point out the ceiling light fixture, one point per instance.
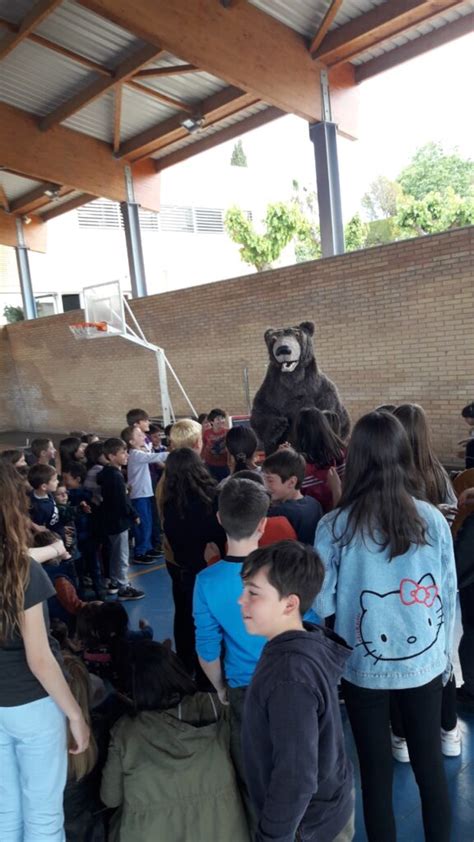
[[193, 124]]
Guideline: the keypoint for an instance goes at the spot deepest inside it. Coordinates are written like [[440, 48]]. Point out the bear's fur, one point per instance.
[[291, 383]]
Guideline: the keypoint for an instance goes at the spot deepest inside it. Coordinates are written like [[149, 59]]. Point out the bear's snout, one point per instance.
[[283, 349]]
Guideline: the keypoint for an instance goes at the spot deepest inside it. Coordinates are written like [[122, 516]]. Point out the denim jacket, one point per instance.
[[397, 615]]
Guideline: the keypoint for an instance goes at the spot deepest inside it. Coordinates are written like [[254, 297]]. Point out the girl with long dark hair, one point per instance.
[[324, 453], [35, 700], [391, 582], [189, 505], [241, 444]]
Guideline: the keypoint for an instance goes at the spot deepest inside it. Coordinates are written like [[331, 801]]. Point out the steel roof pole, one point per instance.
[[24, 274], [131, 222], [324, 138]]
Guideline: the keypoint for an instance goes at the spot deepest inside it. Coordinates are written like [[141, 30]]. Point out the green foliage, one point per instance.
[[380, 201], [308, 245], [380, 231], [238, 157], [355, 233], [13, 314], [432, 170], [435, 212]]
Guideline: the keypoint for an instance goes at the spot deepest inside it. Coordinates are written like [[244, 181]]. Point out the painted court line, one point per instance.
[[148, 570]]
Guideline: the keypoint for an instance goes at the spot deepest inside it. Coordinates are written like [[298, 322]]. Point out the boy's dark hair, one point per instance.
[[40, 474], [468, 411], [202, 417], [76, 470], [242, 505], [38, 446], [292, 568], [159, 680], [112, 446], [155, 428], [255, 476], [94, 451], [285, 464], [216, 413], [386, 407], [136, 415]]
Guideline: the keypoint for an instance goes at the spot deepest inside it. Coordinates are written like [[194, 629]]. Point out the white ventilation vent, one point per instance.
[[174, 219]]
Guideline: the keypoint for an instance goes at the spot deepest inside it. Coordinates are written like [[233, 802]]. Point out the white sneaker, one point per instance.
[[399, 749], [451, 742]]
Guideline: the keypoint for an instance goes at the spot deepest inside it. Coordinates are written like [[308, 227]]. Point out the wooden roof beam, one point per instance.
[[125, 70], [77, 202], [383, 22], [245, 125], [63, 156], [169, 70], [214, 108], [38, 13], [241, 45], [34, 233], [414, 48], [33, 199], [325, 25]]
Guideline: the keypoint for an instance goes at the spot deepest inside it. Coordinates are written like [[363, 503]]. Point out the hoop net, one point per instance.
[[86, 330]]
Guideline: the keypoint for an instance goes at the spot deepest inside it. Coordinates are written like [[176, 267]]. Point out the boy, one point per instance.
[[186, 433], [283, 474], [42, 452], [214, 452], [141, 492], [118, 515], [43, 509], [140, 418], [297, 772], [468, 415], [243, 507]]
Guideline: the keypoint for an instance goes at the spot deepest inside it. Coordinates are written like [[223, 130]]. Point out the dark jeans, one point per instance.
[[449, 715], [183, 628], [236, 697], [466, 646], [420, 710]]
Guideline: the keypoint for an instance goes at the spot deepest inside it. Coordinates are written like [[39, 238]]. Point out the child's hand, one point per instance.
[[222, 696], [85, 507], [211, 551], [447, 510], [143, 624], [80, 734], [137, 521], [285, 446], [36, 528]]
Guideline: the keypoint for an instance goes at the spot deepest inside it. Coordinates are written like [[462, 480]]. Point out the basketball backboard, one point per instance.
[[104, 303]]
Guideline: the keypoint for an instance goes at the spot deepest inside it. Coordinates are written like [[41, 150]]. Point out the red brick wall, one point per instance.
[[8, 394], [393, 324]]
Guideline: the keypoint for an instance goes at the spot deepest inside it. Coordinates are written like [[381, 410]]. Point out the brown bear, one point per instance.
[[291, 383]]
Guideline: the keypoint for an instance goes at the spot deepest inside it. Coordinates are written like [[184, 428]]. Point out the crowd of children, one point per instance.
[[322, 572]]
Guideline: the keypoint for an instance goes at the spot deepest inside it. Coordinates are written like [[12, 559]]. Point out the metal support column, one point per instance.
[[324, 139], [23, 263], [131, 222]]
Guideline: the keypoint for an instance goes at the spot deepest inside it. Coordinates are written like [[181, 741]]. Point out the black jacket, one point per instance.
[[295, 761], [116, 512]]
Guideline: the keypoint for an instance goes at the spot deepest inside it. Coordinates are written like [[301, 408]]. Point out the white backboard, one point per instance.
[[104, 303]]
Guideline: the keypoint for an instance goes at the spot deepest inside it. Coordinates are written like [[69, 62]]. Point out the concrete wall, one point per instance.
[[393, 324]]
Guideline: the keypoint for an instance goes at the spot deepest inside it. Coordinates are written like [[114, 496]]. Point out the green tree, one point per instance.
[[432, 170], [283, 221], [380, 201], [13, 314], [238, 157], [355, 233], [435, 212], [308, 244]]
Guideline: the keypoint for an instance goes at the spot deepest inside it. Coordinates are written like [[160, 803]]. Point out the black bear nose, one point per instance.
[[284, 349], [411, 639]]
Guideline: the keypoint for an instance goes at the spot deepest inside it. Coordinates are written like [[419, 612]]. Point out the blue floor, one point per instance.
[[157, 608]]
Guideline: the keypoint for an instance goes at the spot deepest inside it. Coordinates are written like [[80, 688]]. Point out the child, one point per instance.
[[118, 515], [66, 604], [43, 509], [283, 474], [324, 454], [95, 461], [43, 452], [186, 433], [71, 449], [15, 458], [141, 492], [464, 552], [168, 771], [391, 582], [214, 451], [156, 434], [468, 415], [299, 777], [241, 444]]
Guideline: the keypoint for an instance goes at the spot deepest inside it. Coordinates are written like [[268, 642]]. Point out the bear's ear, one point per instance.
[[268, 335], [307, 327]]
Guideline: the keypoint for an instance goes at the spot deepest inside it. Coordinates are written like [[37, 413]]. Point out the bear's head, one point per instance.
[[290, 347]]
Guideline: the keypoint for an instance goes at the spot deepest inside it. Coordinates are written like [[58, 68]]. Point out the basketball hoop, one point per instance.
[[86, 330]]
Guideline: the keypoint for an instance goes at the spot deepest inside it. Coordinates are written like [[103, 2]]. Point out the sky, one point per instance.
[[425, 99]]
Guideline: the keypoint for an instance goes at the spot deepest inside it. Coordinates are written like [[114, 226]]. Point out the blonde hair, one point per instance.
[[80, 765], [185, 433]]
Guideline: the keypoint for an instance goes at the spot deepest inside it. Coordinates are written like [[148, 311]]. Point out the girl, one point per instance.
[[95, 461], [189, 505], [14, 457], [168, 769], [34, 696], [241, 444], [324, 453], [71, 449], [391, 582], [439, 491]]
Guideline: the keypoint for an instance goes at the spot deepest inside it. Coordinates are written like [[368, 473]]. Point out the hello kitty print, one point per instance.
[[410, 627]]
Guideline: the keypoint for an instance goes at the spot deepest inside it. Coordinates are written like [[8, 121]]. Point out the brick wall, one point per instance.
[[8, 392], [394, 324]]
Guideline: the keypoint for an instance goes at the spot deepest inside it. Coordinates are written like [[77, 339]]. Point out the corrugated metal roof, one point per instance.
[[302, 15], [90, 35], [38, 80], [189, 87], [207, 132], [15, 10], [15, 185]]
